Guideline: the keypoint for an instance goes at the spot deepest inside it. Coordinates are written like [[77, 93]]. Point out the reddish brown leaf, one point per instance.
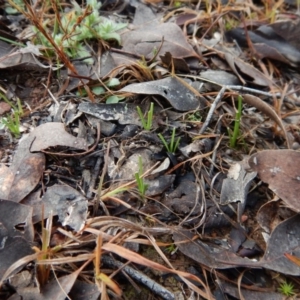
[[143, 41], [280, 169]]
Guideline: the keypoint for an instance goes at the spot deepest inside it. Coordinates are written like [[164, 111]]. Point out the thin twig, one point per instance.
[[212, 109], [140, 277]]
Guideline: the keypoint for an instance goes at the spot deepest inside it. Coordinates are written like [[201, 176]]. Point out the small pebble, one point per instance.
[[295, 146]]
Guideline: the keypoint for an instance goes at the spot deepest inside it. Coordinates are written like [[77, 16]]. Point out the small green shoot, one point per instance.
[[173, 145], [101, 91], [114, 99], [12, 122], [142, 187], [147, 124], [236, 130], [171, 249], [287, 289], [194, 117]]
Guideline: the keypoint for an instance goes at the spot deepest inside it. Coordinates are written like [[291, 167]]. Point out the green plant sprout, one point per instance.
[[100, 90], [147, 124], [195, 117], [177, 4], [77, 26], [171, 248], [287, 289], [173, 145], [12, 122], [142, 187], [236, 130]]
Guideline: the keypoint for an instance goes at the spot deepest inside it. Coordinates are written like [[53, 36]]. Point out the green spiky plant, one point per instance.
[[142, 187], [173, 145], [287, 289], [147, 124], [236, 129], [12, 122]]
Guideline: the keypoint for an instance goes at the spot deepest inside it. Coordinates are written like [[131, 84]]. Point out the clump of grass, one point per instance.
[[173, 145], [147, 124]]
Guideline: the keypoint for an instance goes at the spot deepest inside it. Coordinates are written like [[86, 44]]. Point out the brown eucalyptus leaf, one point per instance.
[[23, 58], [180, 96], [145, 40], [144, 16], [58, 288], [236, 186], [24, 173], [269, 111], [264, 50], [208, 254], [4, 108], [64, 201], [15, 219], [289, 30], [235, 292], [13, 250], [16, 233], [240, 68], [53, 135], [268, 43], [285, 238], [178, 63], [267, 216], [280, 169], [124, 113], [82, 290]]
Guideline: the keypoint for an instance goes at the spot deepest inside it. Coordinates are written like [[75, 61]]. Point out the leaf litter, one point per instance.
[[89, 193]]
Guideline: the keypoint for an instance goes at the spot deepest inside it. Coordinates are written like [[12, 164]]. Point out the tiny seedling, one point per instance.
[[236, 130], [147, 124], [12, 122], [173, 145], [171, 248], [101, 91], [142, 187], [287, 289], [177, 4], [195, 117]]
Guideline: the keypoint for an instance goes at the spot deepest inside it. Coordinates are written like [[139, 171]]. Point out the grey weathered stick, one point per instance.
[[212, 109], [140, 277]]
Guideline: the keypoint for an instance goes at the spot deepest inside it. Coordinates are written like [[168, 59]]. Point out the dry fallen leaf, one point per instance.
[[144, 41], [280, 169], [16, 233], [21, 178], [178, 94], [240, 68], [53, 135]]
